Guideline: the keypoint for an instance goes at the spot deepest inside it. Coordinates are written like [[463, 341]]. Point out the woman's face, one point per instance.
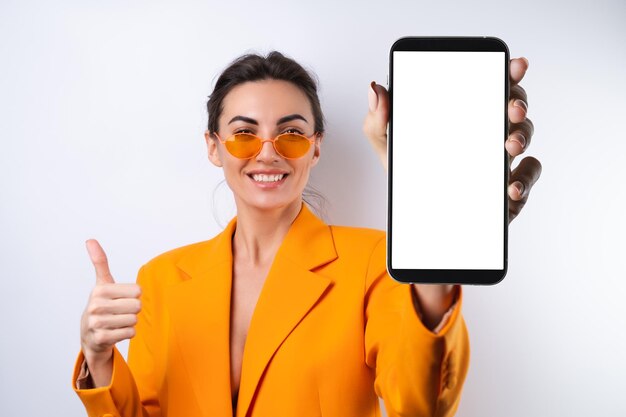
[[265, 108]]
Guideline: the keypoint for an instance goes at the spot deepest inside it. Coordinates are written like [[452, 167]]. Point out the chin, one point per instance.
[[271, 205], [270, 202]]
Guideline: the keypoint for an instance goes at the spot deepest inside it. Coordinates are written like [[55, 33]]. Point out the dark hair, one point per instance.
[[274, 66], [254, 67]]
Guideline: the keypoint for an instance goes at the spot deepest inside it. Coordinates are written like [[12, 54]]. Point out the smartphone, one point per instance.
[[448, 169]]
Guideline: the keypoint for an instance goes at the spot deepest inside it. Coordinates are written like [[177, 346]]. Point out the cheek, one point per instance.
[[303, 171], [232, 168]]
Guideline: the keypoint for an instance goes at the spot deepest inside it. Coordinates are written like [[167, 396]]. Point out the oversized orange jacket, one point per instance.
[[331, 332]]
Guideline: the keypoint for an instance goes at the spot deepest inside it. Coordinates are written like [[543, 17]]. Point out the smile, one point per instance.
[[267, 178]]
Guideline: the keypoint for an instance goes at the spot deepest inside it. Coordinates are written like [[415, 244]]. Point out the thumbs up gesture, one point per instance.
[[111, 312]]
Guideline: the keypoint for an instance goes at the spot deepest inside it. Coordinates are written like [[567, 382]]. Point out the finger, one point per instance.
[[518, 92], [517, 110], [519, 138], [118, 306], [112, 292], [523, 178], [100, 262], [517, 69], [110, 337], [112, 321]]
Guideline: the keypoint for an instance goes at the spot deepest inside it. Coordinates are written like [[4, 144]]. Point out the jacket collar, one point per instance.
[[201, 309]]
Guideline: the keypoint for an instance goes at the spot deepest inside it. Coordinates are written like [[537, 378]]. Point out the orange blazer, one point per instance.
[[331, 332]]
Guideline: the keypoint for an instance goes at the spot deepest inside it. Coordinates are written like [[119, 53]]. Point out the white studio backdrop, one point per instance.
[[102, 119]]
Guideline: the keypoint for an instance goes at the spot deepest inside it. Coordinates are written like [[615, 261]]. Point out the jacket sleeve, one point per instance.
[[131, 392], [418, 372]]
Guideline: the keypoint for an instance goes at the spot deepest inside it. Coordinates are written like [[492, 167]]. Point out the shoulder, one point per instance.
[[169, 259], [173, 255], [357, 235], [175, 265], [359, 241]]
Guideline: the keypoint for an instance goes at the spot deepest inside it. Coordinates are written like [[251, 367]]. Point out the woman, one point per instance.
[[331, 331]]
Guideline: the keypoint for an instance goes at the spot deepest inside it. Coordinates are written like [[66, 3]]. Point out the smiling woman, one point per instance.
[[266, 108], [280, 314]]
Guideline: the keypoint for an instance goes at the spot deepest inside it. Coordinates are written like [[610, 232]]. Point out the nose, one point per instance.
[[268, 153]]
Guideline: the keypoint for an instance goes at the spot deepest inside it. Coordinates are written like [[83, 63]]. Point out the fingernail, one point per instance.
[[520, 103], [520, 187], [525, 60], [372, 97], [519, 138]]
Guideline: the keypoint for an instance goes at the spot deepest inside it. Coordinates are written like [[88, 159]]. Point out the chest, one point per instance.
[[246, 289]]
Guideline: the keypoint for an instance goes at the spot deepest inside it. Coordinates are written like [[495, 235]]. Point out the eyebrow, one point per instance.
[[282, 120]]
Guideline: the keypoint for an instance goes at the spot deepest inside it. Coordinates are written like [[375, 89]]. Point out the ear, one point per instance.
[[212, 148], [317, 149]]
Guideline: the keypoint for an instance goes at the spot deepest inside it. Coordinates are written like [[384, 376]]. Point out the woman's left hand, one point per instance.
[[521, 179]]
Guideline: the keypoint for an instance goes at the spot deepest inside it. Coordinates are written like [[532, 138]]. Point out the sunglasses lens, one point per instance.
[[292, 146], [243, 145]]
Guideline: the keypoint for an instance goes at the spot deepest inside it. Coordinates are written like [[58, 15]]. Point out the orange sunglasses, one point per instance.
[[287, 145]]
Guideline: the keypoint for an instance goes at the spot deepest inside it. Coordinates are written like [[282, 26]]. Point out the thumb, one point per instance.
[[372, 97], [378, 100], [100, 262]]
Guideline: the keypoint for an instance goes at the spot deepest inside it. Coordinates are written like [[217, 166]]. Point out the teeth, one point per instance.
[[267, 178]]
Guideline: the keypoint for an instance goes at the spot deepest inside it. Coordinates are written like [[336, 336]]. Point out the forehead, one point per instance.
[[266, 100]]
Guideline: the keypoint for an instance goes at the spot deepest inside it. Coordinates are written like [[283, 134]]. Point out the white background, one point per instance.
[[102, 115]]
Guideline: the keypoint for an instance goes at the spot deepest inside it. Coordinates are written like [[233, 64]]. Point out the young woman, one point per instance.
[[280, 314]]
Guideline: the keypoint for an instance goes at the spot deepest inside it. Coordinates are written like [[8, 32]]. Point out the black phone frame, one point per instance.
[[448, 276]]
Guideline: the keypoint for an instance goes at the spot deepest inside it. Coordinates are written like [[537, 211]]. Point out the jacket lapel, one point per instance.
[[201, 309], [200, 312], [289, 292]]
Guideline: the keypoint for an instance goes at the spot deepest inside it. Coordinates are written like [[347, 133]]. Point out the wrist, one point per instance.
[[432, 301], [97, 359], [100, 368]]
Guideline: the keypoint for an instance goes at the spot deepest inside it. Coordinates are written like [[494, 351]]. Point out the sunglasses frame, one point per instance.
[[311, 139]]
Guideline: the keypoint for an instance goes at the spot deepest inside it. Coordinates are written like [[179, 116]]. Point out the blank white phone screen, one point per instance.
[[448, 160]]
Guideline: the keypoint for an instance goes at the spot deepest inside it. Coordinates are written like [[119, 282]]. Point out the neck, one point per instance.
[[259, 233]]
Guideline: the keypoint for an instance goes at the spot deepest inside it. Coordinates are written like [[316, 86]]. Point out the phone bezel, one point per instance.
[[448, 276]]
